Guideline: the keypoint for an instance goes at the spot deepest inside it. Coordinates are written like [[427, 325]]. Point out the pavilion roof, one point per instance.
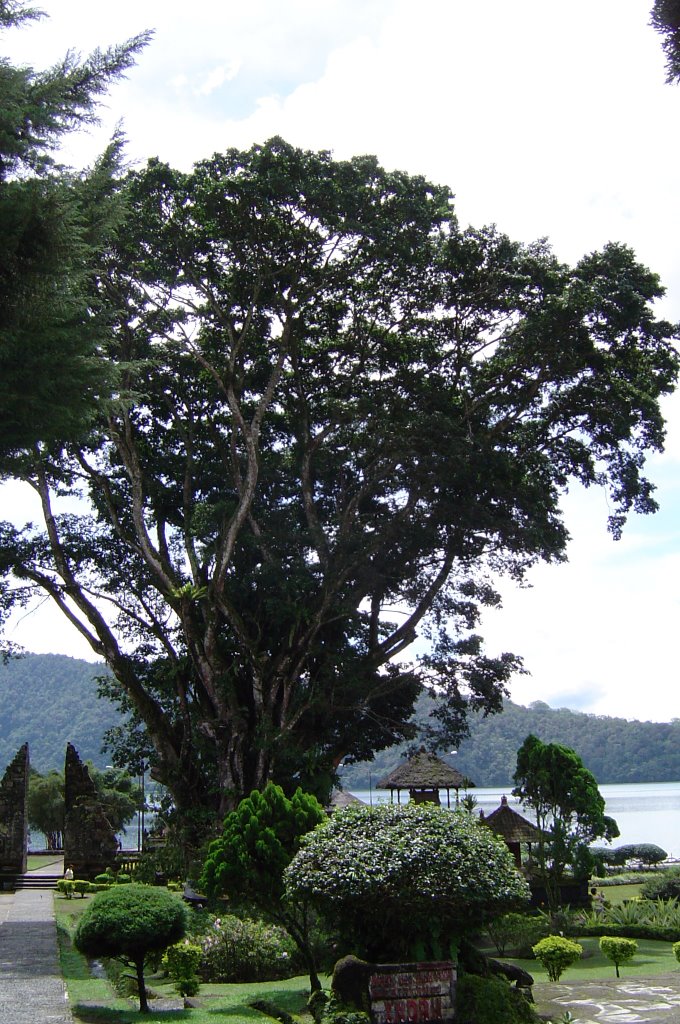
[[510, 825], [340, 799], [423, 771]]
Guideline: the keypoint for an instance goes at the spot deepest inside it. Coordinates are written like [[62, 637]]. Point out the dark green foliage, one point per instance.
[[518, 932], [52, 229], [613, 749], [129, 923], [337, 1012], [666, 21], [490, 1000], [317, 1003], [563, 794], [46, 808], [48, 700], [663, 886], [646, 853], [340, 402], [118, 793]]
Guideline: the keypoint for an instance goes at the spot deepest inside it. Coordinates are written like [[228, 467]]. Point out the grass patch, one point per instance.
[[620, 893], [651, 958], [214, 1002], [43, 860]]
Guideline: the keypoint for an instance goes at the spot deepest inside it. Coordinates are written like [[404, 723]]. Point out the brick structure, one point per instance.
[[90, 844], [14, 818]]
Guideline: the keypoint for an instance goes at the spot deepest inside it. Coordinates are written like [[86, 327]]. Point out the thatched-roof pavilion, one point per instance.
[[513, 828], [423, 775], [340, 800]]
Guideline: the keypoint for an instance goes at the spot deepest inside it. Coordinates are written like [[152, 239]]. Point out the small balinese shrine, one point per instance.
[[423, 776], [513, 828]]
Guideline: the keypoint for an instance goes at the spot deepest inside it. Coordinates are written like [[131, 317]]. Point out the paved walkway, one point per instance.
[[619, 1001], [31, 988]]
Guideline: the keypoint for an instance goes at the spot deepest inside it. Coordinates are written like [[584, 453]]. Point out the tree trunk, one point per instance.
[[143, 1003]]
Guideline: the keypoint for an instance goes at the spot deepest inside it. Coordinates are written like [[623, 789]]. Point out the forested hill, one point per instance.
[[49, 700], [614, 749]]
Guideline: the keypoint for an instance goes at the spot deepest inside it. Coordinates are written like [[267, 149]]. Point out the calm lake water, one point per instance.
[[646, 812]]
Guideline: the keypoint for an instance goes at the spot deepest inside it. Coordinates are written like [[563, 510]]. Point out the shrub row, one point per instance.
[[645, 853], [630, 931]]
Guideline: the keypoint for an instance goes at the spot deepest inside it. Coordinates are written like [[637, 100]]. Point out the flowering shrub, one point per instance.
[[236, 950], [405, 881]]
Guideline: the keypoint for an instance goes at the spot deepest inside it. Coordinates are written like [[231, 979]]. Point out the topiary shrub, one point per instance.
[[81, 886], [556, 954], [404, 883], [130, 923], [236, 950], [490, 1000], [618, 950], [646, 853], [105, 878], [66, 887]]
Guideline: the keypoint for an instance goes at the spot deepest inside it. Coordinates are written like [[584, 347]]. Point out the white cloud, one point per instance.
[[217, 78]]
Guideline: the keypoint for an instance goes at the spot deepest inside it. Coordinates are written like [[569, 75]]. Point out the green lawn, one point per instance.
[[620, 893], [651, 958], [93, 1001], [41, 860]]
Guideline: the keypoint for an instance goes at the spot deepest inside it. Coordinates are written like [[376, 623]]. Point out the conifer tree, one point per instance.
[[52, 224]]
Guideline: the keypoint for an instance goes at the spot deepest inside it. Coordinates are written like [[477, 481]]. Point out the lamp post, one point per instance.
[[140, 816]]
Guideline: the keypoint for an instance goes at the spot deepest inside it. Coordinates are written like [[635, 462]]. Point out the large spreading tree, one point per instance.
[[340, 415]]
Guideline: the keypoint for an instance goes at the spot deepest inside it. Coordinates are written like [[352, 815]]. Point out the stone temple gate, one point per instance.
[[90, 844], [14, 816]]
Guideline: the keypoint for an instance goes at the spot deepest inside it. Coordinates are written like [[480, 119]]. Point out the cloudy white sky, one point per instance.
[[547, 119]]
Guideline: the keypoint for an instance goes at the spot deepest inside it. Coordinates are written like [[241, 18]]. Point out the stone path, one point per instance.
[[619, 1001], [32, 990]]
